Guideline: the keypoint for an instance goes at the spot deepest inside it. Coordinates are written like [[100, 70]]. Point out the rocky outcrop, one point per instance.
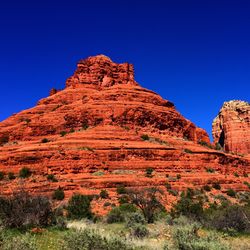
[[231, 128], [100, 71], [105, 130]]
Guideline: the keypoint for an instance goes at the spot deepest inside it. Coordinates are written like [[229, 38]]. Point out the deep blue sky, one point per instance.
[[194, 53]]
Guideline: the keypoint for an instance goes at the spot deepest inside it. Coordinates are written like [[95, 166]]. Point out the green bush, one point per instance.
[[190, 205], [173, 192], [216, 185], [207, 188], [121, 190], [139, 231], [44, 140], [51, 177], [230, 218], [11, 176], [22, 242], [236, 174], [79, 207], [135, 218], [4, 139], [231, 192], [168, 185], [123, 199], [115, 216], [178, 176], [245, 174], [104, 194], [25, 172], [149, 172], [63, 133], [188, 151], [1, 176], [187, 238], [210, 170], [145, 137], [92, 240], [58, 194]]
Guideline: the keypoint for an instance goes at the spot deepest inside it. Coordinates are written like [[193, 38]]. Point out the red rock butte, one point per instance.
[[104, 130]]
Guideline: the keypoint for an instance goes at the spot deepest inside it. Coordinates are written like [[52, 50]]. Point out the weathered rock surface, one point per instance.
[[231, 128], [94, 130]]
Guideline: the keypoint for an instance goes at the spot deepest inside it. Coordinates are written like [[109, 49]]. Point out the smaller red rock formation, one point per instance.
[[231, 128]]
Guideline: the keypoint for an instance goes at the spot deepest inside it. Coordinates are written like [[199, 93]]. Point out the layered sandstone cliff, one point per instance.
[[105, 130], [231, 128]]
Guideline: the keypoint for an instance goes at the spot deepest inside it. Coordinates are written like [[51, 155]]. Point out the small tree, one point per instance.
[[58, 194], [25, 172], [79, 207], [231, 192], [1, 175], [11, 176], [147, 201], [104, 194], [145, 137], [149, 172], [44, 140]]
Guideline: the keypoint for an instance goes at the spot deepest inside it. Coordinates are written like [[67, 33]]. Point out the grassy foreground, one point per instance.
[[160, 237]]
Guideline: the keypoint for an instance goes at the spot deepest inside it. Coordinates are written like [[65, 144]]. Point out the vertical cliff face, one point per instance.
[[231, 128]]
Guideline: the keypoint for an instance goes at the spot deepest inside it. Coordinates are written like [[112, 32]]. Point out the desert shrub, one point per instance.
[[205, 144], [210, 170], [92, 240], [236, 174], [79, 207], [115, 216], [51, 177], [230, 218], [22, 242], [1, 176], [145, 137], [207, 188], [104, 194], [11, 176], [85, 126], [216, 185], [186, 237], [23, 210], [44, 140], [72, 130], [128, 208], [168, 186], [139, 231], [123, 199], [188, 151], [178, 176], [121, 190], [25, 172], [134, 218], [218, 146], [190, 205], [173, 192], [58, 194], [243, 197], [148, 172], [231, 192], [63, 133], [4, 139], [245, 174]]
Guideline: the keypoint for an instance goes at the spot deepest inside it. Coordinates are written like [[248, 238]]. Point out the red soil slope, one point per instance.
[[104, 113]]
